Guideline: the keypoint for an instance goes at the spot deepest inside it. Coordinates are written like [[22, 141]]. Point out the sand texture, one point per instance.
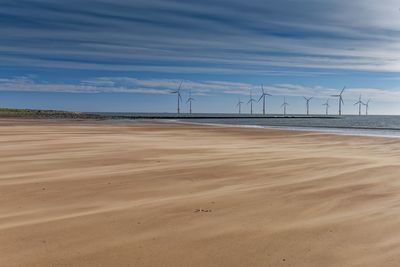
[[113, 194]]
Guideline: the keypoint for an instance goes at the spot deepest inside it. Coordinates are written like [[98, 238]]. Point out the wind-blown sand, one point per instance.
[[98, 194]]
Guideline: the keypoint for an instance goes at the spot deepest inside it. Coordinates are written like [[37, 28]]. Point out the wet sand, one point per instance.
[[102, 194]]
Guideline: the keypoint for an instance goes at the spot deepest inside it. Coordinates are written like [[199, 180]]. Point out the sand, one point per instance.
[[145, 194]]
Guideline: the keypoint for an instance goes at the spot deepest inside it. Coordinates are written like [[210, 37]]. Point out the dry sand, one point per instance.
[[97, 194]]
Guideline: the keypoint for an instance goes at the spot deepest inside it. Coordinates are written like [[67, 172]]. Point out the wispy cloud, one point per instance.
[[164, 86], [225, 37]]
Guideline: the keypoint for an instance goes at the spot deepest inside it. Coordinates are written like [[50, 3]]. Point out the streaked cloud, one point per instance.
[[164, 86], [217, 37]]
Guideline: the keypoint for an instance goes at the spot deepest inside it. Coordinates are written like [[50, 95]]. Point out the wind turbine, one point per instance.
[[284, 105], [340, 100], [326, 104], [178, 94], [359, 103], [263, 95], [308, 104], [366, 107], [239, 105], [190, 100], [251, 100]]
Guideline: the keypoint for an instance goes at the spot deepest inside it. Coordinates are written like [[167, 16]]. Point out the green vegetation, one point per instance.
[[15, 110], [45, 114]]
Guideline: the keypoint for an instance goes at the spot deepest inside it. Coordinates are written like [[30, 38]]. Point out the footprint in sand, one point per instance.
[[202, 210]]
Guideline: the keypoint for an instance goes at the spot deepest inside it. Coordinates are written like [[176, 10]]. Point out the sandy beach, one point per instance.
[[146, 194]]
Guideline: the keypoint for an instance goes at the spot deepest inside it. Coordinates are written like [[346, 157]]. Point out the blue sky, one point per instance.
[[114, 55]]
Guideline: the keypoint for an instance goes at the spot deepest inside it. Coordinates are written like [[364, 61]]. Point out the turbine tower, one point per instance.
[[178, 94], [366, 107], [239, 105], [284, 105], [308, 104], [340, 100], [190, 100], [359, 103], [263, 95], [326, 104], [251, 100]]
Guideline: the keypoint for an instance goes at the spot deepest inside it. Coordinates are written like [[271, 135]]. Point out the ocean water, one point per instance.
[[385, 126], [372, 125]]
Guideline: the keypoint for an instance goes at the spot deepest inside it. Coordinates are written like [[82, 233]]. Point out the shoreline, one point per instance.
[[388, 132], [345, 131], [340, 131], [54, 114]]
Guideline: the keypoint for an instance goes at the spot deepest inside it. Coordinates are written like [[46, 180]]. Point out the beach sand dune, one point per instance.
[[102, 194]]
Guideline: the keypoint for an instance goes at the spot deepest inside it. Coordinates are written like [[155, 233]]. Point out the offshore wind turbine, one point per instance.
[[239, 105], [284, 105], [340, 96], [326, 104], [190, 100], [359, 103], [178, 94], [263, 95], [251, 100], [366, 107], [308, 104]]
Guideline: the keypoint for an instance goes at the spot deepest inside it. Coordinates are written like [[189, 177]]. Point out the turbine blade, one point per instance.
[[260, 98]]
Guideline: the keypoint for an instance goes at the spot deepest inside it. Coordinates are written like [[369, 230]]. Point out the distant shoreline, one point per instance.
[[231, 120], [59, 114]]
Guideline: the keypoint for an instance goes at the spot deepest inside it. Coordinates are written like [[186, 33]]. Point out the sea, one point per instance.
[[371, 125]]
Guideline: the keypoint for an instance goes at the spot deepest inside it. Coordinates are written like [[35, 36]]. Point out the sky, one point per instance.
[[127, 55]]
